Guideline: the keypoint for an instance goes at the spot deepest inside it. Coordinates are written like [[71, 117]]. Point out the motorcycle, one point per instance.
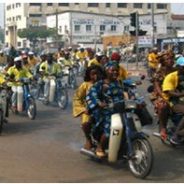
[[70, 76], [4, 91], [141, 110], [126, 141], [25, 100], [57, 92], [174, 119]]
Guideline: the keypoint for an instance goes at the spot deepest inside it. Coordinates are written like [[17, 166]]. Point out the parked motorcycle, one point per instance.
[[126, 141]]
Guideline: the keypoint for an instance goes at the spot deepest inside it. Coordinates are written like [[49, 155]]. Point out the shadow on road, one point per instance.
[[168, 166]]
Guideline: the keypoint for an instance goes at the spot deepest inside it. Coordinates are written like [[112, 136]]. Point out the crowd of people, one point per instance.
[[103, 78]]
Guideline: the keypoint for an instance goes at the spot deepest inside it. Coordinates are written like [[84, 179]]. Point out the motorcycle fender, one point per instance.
[[115, 137]]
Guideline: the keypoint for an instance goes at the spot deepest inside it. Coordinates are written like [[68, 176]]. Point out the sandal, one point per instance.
[[100, 153], [163, 134]]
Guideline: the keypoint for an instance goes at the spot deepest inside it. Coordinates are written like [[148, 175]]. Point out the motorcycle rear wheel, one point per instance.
[[62, 100], [31, 111], [140, 164]]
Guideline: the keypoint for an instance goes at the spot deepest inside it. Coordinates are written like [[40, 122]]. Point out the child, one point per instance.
[[92, 75]]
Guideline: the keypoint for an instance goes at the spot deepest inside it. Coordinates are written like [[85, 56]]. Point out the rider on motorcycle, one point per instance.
[[172, 92], [49, 68], [15, 73], [99, 96]]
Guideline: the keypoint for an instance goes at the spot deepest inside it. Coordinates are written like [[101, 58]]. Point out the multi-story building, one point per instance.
[[22, 15], [84, 28]]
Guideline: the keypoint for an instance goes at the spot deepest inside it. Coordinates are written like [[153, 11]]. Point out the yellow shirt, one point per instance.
[[32, 62], [123, 74], [81, 55], [2, 80], [22, 73], [170, 83], [152, 60], [79, 104], [54, 68], [93, 62]]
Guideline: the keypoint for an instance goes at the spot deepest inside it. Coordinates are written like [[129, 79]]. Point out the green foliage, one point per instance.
[[34, 33]]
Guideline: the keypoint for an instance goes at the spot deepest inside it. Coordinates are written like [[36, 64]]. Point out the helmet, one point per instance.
[[30, 53], [115, 56], [180, 61], [19, 58]]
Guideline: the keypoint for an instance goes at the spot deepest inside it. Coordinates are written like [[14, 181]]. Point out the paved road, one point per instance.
[[47, 150]]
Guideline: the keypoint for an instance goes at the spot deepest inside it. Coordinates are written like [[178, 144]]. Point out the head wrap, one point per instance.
[[110, 64]]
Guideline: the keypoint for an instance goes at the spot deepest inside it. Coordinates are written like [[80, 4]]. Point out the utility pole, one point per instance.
[[57, 36], [152, 22], [137, 38]]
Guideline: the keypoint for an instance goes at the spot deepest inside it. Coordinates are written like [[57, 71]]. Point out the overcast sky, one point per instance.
[[177, 8]]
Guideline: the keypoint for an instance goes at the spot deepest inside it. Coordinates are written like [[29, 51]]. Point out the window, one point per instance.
[[63, 4], [13, 18], [34, 4], [76, 3], [6, 32], [108, 5], [149, 6], [102, 27], [92, 4], [60, 29], [113, 28], [49, 4], [18, 17], [88, 28], [137, 5], [77, 28], [161, 6], [35, 15], [122, 5], [19, 44], [13, 6], [8, 7], [18, 5]]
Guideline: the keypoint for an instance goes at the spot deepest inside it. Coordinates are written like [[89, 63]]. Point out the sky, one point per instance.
[[177, 8]]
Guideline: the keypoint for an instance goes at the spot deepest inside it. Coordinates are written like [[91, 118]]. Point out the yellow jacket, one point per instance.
[[18, 74], [79, 105], [152, 60], [54, 68]]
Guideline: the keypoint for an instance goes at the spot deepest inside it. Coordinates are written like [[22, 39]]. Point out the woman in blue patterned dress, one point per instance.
[[99, 96]]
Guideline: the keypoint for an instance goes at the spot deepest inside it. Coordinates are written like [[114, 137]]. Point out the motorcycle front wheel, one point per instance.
[[31, 111], [140, 164], [63, 99]]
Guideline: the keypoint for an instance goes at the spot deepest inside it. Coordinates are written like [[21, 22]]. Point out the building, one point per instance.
[[23, 15], [88, 29]]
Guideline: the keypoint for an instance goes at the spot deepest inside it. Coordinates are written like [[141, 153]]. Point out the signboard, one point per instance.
[[145, 41]]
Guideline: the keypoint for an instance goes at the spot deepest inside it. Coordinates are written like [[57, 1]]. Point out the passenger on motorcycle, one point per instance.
[[92, 75], [48, 69], [123, 74], [15, 73], [160, 104], [173, 94], [99, 96]]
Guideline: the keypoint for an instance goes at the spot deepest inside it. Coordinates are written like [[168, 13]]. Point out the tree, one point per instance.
[[33, 34]]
